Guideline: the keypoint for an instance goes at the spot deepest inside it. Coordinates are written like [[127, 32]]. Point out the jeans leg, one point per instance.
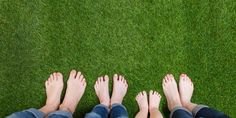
[[118, 111], [60, 114], [99, 111], [204, 111], [180, 112], [30, 113]]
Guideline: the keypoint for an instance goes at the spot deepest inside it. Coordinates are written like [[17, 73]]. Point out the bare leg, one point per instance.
[[54, 86], [142, 101], [102, 90], [76, 85], [186, 91], [154, 101], [171, 92], [120, 87]]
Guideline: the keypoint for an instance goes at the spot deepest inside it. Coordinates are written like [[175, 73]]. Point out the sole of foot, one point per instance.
[[54, 86], [102, 90], [76, 85], [142, 101], [171, 91], [154, 100], [120, 87]]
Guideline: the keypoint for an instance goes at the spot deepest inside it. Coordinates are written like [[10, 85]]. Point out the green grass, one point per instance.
[[142, 40]]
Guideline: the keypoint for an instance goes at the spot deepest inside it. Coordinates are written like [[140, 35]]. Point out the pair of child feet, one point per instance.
[[76, 85], [175, 97]]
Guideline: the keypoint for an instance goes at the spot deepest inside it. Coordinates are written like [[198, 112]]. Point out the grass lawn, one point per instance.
[[142, 40]]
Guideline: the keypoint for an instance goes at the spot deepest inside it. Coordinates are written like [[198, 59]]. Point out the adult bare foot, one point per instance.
[[54, 86], [154, 102], [186, 92], [142, 101], [120, 87], [102, 90], [171, 92], [76, 85]]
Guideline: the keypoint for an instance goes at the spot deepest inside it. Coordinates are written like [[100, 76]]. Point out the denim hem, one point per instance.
[[117, 104], [62, 113], [177, 108], [197, 108], [37, 113], [104, 106]]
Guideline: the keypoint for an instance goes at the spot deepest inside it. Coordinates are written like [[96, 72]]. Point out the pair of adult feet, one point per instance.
[[76, 85], [178, 97], [120, 87]]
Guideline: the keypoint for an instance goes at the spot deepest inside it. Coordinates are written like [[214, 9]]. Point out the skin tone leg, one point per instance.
[[120, 87], [171, 92], [76, 85], [186, 91], [154, 101], [102, 90], [54, 86], [142, 101]]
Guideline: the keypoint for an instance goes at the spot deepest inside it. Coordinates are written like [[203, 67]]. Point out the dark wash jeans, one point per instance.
[[99, 111], [200, 111]]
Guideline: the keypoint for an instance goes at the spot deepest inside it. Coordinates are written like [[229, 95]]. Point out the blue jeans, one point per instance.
[[102, 111], [200, 111], [99, 111], [34, 113]]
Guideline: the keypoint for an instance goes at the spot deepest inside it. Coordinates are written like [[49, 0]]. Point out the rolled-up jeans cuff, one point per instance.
[[197, 108], [117, 104], [61, 113], [37, 113], [102, 105], [177, 108]]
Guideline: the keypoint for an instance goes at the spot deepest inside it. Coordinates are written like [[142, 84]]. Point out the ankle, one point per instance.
[[153, 109], [66, 108]]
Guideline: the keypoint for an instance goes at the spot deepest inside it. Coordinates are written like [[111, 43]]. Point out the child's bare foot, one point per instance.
[[154, 102], [171, 92], [186, 91], [120, 87], [54, 86], [102, 90], [142, 101], [75, 89]]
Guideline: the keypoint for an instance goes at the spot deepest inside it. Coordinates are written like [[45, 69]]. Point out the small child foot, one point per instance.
[[154, 100], [76, 85], [142, 101], [120, 87], [102, 90]]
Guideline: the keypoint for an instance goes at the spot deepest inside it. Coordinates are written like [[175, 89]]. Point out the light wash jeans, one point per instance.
[[99, 111]]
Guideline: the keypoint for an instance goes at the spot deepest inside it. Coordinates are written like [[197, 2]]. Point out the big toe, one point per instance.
[[72, 74]]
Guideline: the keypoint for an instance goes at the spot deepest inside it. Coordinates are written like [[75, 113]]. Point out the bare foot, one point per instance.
[[142, 101], [54, 86], [102, 90], [154, 102], [186, 92], [120, 87], [171, 92], [76, 85]]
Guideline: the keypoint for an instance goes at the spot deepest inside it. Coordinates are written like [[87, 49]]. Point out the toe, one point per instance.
[[151, 92], [120, 78], [115, 77], [106, 78], [72, 74], [81, 77]]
